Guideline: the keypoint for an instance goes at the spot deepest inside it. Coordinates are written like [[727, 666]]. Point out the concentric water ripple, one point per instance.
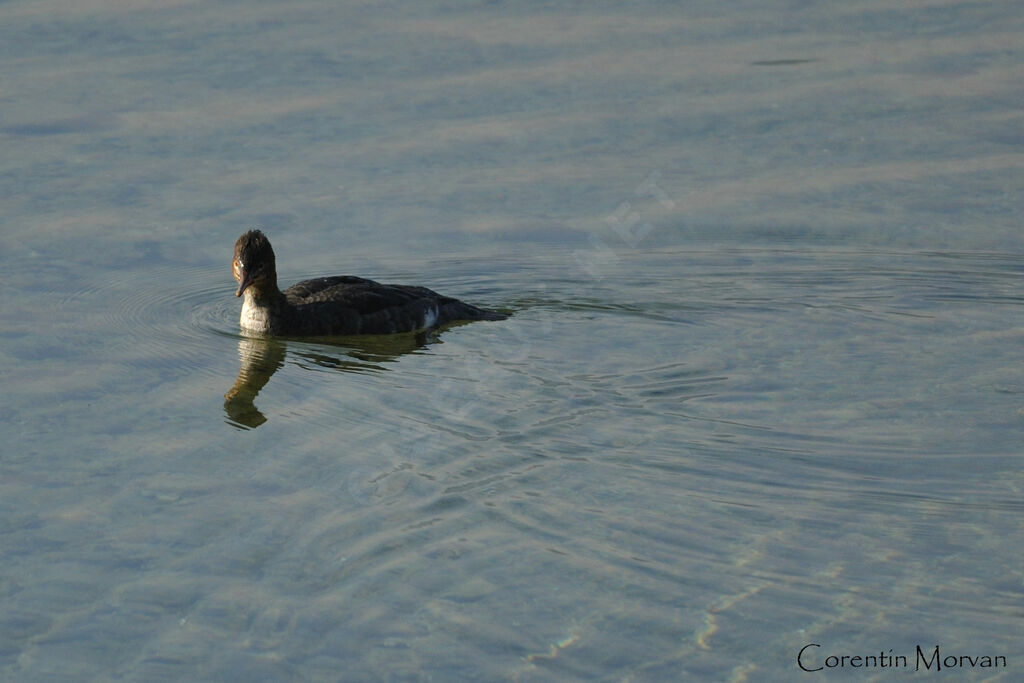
[[758, 396], [160, 315]]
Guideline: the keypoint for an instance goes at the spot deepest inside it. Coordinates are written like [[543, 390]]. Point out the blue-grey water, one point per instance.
[[761, 389]]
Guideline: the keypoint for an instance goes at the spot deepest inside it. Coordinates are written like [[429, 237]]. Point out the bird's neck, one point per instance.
[[263, 309], [264, 293]]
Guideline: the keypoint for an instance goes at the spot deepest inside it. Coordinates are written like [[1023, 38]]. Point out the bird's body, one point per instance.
[[341, 305]]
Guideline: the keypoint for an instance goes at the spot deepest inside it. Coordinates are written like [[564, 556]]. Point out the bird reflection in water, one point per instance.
[[260, 358]]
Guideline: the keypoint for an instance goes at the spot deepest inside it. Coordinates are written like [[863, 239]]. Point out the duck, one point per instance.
[[340, 305]]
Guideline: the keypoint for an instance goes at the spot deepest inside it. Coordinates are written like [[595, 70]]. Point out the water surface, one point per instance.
[[761, 385]]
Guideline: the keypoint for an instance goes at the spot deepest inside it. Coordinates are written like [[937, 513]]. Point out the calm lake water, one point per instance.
[[761, 387]]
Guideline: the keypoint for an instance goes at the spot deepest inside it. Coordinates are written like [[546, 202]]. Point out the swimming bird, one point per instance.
[[341, 305]]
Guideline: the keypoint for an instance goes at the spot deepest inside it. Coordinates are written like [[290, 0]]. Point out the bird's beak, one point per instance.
[[244, 283]]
